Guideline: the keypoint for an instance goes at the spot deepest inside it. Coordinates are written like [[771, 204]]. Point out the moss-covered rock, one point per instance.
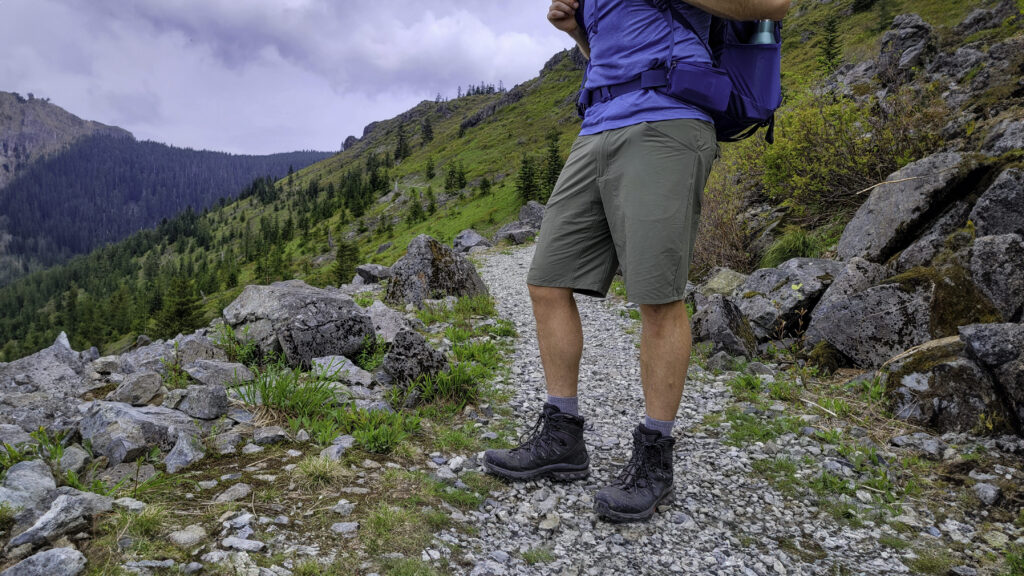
[[956, 301]]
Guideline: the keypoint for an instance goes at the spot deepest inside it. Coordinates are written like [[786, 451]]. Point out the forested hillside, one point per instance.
[[470, 162], [102, 188]]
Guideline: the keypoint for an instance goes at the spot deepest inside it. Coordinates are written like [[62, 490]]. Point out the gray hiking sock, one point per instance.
[[566, 405], [662, 426]]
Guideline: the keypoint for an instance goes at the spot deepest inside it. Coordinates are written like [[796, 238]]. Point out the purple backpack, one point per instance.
[[741, 89]]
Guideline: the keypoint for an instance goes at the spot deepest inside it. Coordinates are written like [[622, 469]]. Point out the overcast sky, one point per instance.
[[263, 76]]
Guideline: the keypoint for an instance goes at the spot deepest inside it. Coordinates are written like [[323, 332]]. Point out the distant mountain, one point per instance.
[[73, 185], [31, 128]]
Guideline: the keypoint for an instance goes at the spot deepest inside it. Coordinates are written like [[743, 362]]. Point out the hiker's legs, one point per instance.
[[664, 357], [560, 338]]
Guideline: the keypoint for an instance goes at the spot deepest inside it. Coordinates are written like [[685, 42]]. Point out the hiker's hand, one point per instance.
[[562, 15]]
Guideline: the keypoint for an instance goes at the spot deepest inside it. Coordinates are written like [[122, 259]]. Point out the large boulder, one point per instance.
[[219, 373], [999, 348], [52, 562], [530, 217], [721, 322], [875, 324], [905, 45], [1000, 210], [722, 281], [934, 385], [69, 513], [373, 273], [138, 388], [997, 267], [981, 19], [42, 390], [122, 432], [898, 207], [387, 322], [778, 301], [939, 237], [343, 370], [302, 321], [204, 401], [859, 275], [1005, 137], [430, 269], [410, 357], [151, 357], [28, 488], [468, 239]]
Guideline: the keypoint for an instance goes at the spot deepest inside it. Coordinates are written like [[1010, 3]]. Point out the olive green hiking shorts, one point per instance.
[[627, 197]]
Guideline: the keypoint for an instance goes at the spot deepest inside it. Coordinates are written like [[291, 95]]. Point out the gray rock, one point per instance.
[[532, 214], [410, 356], [515, 233], [1010, 379], [187, 451], [106, 365], [243, 544], [934, 386], [52, 562], [74, 459], [981, 19], [234, 493], [430, 269], [1008, 135], [373, 273], [302, 321], [778, 301], [227, 442], [68, 514], [722, 281], [468, 239], [42, 390], [28, 487], [218, 373], [151, 357], [387, 322], [345, 528], [721, 322], [15, 436], [129, 472], [130, 504], [905, 45], [881, 225], [267, 435], [936, 239], [206, 402], [343, 508], [123, 433], [1000, 210], [858, 275], [993, 345], [997, 268], [193, 347], [338, 447], [343, 370], [138, 389], [989, 494]]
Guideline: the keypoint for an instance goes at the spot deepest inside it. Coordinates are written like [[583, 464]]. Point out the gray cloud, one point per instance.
[[263, 75]]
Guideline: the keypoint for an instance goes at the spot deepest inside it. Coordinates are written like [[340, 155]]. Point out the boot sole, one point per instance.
[[559, 472], [604, 511]]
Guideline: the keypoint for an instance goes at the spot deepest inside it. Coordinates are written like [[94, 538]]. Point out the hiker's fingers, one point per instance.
[[562, 13]]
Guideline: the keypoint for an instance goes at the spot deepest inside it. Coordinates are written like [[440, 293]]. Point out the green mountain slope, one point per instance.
[[183, 273]]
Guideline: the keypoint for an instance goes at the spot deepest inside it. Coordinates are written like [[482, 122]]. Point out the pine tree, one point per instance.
[[526, 180], [402, 147], [885, 15], [460, 175], [180, 312], [485, 186], [347, 258], [431, 201], [427, 130], [416, 213], [552, 165], [451, 178], [431, 169], [830, 49]]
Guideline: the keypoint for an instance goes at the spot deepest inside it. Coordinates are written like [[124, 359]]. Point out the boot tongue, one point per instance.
[[646, 435]]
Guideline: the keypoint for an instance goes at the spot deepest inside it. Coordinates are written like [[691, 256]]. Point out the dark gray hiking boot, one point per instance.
[[645, 482], [553, 448]]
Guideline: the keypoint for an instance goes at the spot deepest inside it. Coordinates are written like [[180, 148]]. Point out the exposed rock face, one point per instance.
[[530, 217], [343, 370], [28, 488], [206, 402], [721, 281], [430, 269], [1000, 210], [932, 242], [997, 267], [899, 206], [121, 432], [195, 347], [935, 386], [150, 357], [52, 562], [373, 273], [858, 275], [981, 19], [993, 345], [42, 390], [468, 239], [721, 322], [410, 356], [302, 321], [217, 373], [1006, 136], [777, 301], [138, 389], [905, 44], [187, 451], [387, 322]]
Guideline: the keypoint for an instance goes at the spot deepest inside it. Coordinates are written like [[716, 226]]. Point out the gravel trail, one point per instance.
[[724, 519]]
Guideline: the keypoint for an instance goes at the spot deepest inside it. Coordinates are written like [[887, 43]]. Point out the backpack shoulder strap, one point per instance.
[[579, 18], [685, 21]]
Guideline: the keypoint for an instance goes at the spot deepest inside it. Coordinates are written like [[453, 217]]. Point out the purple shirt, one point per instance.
[[628, 37]]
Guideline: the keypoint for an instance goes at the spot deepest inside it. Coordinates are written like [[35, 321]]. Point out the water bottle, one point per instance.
[[765, 33]]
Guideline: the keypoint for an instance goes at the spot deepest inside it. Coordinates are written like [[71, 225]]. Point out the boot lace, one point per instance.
[[538, 439], [637, 472]]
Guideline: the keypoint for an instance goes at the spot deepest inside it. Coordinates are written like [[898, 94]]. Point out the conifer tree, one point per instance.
[[885, 15], [346, 260], [431, 201], [552, 165], [180, 312], [431, 169], [427, 130], [485, 186], [830, 49], [526, 180], [402, 147]]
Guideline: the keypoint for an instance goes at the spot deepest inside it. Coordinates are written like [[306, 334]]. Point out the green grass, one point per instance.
[[371, 356], [538, 556], [1015, 561], [745, 387], [894, 542], [794, 243], [747, 428], [935, 561]]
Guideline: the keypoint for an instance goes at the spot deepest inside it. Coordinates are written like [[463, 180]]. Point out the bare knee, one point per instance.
[[549, 296], [663, 314]]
